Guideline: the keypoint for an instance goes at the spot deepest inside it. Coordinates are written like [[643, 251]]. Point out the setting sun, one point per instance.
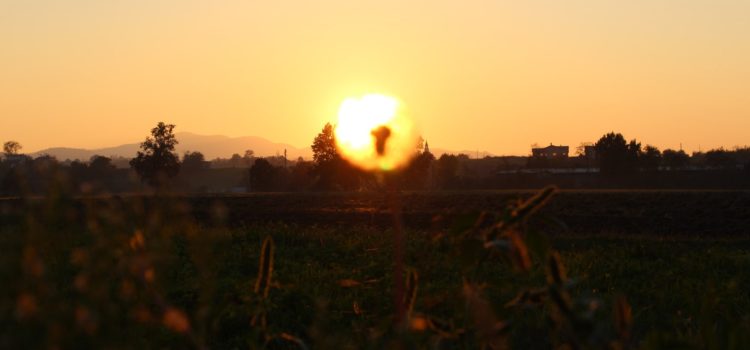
[[411, 174], [373, 133]]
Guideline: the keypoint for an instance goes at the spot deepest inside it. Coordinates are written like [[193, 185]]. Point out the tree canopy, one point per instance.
[[262, 175], [650, 158], [194, 161], [675, 159], [617, 156], [11, 147], [330, 169], [324, 146], [157, 161]]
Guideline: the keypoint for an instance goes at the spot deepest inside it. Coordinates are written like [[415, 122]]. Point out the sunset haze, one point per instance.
[[493, 76]]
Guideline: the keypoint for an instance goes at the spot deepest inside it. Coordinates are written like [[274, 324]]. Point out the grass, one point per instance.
[[667, 281], [126, 275]]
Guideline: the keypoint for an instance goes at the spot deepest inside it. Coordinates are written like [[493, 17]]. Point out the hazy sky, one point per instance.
[[487, 75]]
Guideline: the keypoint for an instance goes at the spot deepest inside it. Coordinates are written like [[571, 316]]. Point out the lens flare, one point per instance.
[[374, 133]]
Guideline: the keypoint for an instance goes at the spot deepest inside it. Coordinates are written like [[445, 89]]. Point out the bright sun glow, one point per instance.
[[373, 133]]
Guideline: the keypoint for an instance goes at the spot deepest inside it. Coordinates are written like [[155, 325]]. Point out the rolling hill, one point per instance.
[[212, 146]]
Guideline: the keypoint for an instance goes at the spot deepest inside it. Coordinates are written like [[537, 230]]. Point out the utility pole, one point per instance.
[[284, 158]]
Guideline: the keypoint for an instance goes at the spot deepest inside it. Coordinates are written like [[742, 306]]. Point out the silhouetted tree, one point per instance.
[[720, 158], [262, 175], [98, 174], [301, 175], [236, 160], [331, 170], [44, 162], [675, 159], [46, 176], [650, 158], [615, 155], [157, 161], [421, 145], [120, 162], [634, 152], [11, 147], [101, 164], [8, 180], [742, 155], [248, 157], [324, 146], [15, 170], [100, 169], [417, 174], [79, 170], [447, 170], [194, 161]]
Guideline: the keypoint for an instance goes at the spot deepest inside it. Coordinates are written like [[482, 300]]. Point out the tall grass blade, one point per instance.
[[265, 268], [410, 295], [556, 270]]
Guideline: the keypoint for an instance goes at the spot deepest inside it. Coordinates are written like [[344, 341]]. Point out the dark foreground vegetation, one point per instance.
[[224, 272], [696, 213], [92, 256]]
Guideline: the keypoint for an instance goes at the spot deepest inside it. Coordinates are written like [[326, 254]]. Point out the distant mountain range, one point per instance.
[[212, 146]]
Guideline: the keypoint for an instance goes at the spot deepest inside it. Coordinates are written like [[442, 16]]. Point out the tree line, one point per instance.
[[617, 157], [157, 166]]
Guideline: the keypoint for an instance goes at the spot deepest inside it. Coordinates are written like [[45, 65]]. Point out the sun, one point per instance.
[[374, 133]]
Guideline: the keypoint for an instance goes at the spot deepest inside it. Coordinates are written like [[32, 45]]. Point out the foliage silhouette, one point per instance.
[[194, 161], [300, 176], [101, 164], [262, 175], [715, 169], [157, 161], [11, 147], [675, 159], [324, 146], [650, 158], [447, 170], [617, 157], [417, 175], [331, 170], [720, 158]]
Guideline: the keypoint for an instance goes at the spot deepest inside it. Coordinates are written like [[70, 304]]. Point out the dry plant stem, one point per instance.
[[398, 255]]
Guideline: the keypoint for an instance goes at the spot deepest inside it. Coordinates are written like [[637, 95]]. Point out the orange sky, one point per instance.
[[488, 75]]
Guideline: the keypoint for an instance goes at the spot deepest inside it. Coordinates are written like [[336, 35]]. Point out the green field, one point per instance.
[[182, 272]]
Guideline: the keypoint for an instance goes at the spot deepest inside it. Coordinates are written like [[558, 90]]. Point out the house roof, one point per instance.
[[551, 147]]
